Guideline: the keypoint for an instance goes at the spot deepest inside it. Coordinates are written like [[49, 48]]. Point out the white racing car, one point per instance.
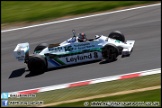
[[71, 51]]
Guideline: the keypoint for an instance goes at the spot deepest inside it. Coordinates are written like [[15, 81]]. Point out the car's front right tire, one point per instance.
[[40, 47], [117, 35]]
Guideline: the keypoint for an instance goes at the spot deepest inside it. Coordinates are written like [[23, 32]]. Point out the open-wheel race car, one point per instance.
[[72, 51]]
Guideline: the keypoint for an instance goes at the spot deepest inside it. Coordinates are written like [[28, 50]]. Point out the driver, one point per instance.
[[82, 37]]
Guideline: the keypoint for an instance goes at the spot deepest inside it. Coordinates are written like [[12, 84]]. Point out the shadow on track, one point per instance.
[[21, 71], [105, 61], [33, 74], [73, 65], [17, 73], [80, 64]]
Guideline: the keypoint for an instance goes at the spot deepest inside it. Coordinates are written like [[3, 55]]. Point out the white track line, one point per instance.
[[55, 22]]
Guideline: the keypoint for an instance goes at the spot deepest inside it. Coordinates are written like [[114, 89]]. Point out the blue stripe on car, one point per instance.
[[54, 63]]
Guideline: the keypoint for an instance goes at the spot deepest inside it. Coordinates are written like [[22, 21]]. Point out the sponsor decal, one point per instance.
[[56, 49], [84, 44], [95, 55], [72, 47], [78, 58], [68, 48], [18, 52], [54, 62]]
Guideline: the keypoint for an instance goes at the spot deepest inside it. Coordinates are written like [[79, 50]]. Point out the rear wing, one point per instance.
[[21, 52]]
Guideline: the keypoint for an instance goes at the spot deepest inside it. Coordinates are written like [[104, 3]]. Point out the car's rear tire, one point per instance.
[[110, 53], [40, 47], [37, 64], [117, 35]]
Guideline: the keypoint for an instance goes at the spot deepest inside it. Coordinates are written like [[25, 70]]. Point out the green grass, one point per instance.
[[150, 98], [94, 89], [29, 11]]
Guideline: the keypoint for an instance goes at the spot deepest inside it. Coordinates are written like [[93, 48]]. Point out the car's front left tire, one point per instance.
[[110, 53]]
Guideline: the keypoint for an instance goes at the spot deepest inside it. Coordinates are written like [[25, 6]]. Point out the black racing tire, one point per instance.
[[40, 47], [117, 35], [110, 53], [37, 64]]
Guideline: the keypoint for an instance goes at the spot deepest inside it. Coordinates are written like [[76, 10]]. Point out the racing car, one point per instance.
[[70, 51]]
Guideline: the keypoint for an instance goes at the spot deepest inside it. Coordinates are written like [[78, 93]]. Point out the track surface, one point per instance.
[[142, 25]]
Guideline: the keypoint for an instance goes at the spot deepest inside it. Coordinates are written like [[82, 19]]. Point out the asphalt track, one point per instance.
[[142, 25]]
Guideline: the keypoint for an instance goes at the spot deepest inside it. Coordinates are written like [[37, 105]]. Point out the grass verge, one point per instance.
[[149, 98], [94, 89], [29, 11]]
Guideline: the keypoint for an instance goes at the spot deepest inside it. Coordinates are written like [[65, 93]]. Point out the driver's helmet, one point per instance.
[[82, 37]]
